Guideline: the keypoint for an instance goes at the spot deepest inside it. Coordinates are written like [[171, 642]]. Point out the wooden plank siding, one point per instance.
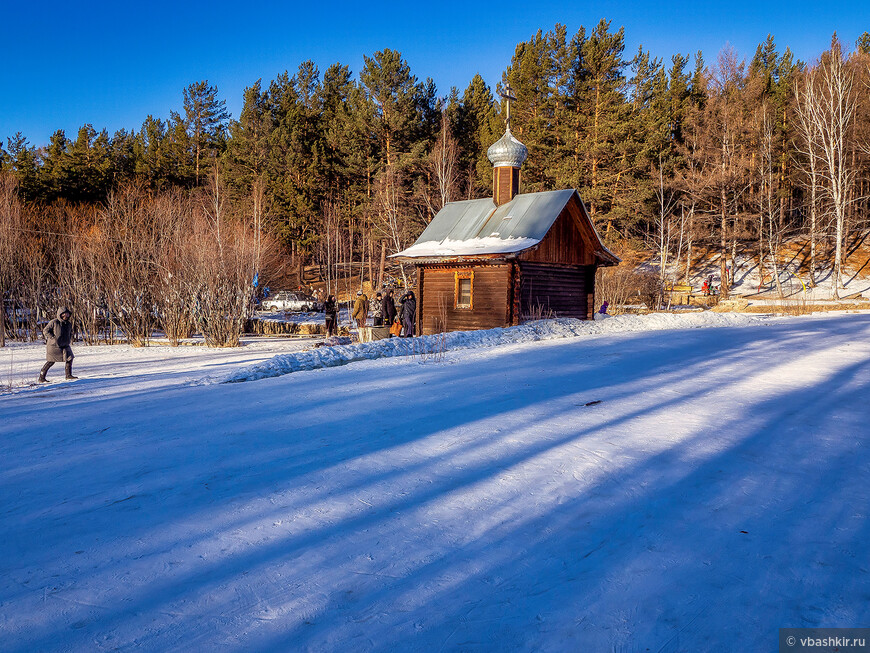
[[564, 242], [548, 290], [491, 298]]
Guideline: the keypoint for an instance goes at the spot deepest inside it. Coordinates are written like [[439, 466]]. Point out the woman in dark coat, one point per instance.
[[388, 308], [331, 311], [58, 336], [409, 313]]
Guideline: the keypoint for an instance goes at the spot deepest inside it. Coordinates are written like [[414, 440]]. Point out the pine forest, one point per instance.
[[325, 173]]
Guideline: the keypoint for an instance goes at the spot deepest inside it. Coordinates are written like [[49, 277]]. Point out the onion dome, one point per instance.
[[507, 151]]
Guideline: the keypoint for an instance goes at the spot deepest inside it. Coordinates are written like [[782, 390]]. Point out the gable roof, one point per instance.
[[474, 228]]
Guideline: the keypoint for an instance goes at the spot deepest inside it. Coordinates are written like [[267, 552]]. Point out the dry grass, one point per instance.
[[798, 307], [540, 312]]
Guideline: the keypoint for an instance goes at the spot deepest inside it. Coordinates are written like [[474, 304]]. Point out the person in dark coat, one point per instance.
[[409, 313], [331, 310], [58, 336], [388, 307]]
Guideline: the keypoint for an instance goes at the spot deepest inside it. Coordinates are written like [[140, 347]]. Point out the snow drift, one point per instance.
[[457, 340]]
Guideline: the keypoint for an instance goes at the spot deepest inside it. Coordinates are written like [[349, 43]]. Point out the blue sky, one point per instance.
[[111, 64]]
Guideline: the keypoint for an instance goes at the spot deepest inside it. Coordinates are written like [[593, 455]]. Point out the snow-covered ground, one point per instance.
[[632, 484], [794, 281]]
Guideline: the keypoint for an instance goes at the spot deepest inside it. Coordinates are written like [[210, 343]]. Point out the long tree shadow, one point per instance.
[[286, 461], [776, 520]]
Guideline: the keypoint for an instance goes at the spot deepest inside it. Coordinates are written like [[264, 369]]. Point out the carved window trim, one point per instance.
[[462, 275]]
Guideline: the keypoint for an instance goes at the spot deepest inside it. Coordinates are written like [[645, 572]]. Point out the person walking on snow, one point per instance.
[[58, 335]]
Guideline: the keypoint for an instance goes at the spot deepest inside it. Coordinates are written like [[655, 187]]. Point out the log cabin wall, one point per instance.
[[490, 297], [548, 290]]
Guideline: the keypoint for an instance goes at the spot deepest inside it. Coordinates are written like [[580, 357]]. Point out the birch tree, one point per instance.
[[828, 106]]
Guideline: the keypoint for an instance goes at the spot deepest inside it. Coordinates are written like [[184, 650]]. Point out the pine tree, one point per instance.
[[477, 127], [388, 83], [52, 172], [150, 147], [295, 155], [205, 117], [603, 100], [122, 149], [22, 160], [532, 76], [248, 145], [87, 166]]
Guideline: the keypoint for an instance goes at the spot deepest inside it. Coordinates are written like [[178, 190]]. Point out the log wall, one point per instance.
[[491, 298], [548, 290]]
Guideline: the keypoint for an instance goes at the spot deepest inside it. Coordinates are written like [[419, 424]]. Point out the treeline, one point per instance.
[[672, 155]]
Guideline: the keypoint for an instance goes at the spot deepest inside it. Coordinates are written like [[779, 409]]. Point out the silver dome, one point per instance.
[[507, 151]]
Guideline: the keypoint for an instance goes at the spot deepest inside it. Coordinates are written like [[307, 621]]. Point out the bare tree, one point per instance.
[[726, 125], [667, 202], [809, 135], [770, 227], [443, 163], [826, 103], [10, 240], [225, 252], [129, 267], [390, 223]]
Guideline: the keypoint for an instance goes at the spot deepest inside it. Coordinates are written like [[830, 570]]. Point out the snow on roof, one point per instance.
[[470, 247], [473, 227]]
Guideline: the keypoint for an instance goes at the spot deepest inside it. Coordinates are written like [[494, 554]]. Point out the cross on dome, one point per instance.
[[508, 95]]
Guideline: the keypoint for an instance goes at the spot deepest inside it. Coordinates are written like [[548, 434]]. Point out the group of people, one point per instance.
[[707, 288], [58, 332], [401, 319]]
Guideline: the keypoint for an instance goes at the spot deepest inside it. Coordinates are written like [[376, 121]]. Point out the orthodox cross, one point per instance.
[[508, 95]]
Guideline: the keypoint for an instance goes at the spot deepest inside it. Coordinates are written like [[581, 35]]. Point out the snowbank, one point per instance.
[[528, 332]]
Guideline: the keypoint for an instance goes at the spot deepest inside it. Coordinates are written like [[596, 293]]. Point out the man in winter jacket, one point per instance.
[[58, 336], [361, 308]]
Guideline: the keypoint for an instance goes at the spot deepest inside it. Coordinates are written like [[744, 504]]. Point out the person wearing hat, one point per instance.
[[377, 309], [58, 335], [360, 308]]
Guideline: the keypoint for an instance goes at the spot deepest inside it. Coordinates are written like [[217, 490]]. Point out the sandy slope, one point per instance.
[[481, 502]]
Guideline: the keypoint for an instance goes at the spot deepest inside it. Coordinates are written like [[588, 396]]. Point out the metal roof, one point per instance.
[[529, 215], [479, 228]]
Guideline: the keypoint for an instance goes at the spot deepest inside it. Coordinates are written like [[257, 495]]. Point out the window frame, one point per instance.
[[462, 275]]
